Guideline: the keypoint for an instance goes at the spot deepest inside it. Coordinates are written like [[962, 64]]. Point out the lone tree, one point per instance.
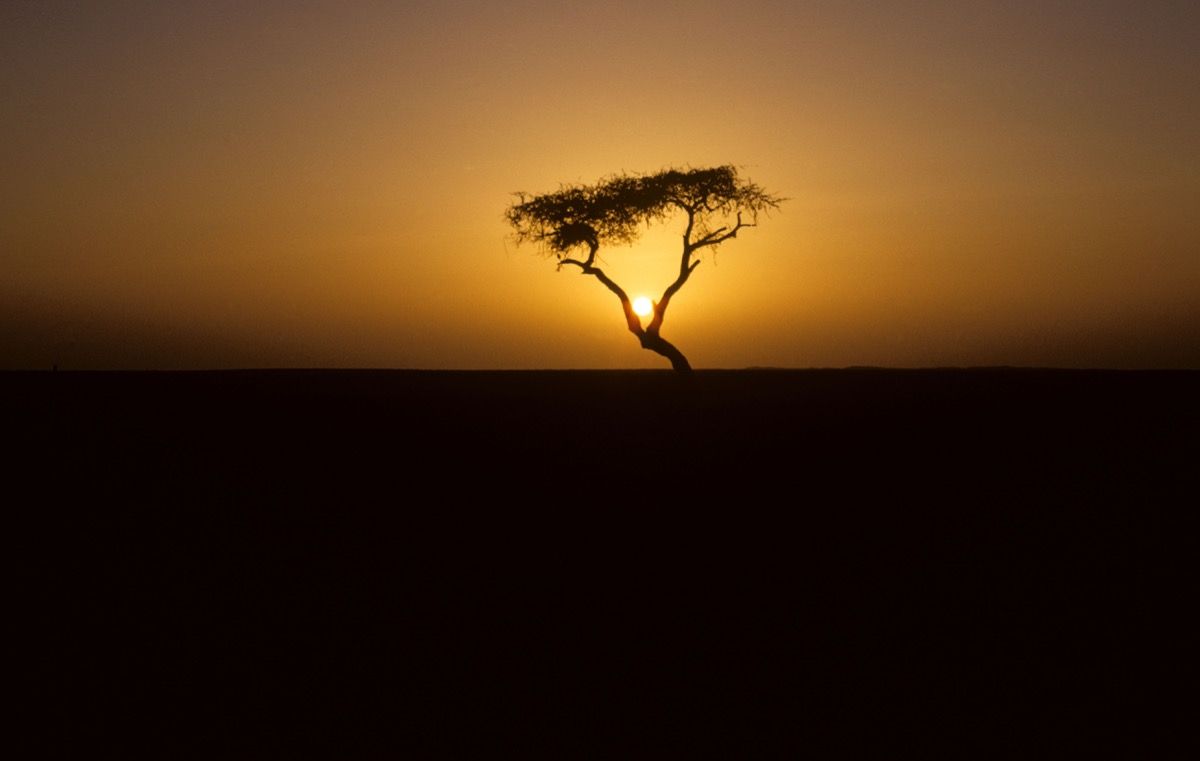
[[715, 205]]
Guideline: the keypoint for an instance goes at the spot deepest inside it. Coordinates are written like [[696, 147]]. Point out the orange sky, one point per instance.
[[321, 184]]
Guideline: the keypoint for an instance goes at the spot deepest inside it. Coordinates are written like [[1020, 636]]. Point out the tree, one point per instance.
[[714, 204]]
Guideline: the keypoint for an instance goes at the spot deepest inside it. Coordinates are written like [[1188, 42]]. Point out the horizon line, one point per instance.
[[665, 371]]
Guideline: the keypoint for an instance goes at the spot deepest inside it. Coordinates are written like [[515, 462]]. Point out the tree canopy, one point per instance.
[[716, 202], [614, 210]]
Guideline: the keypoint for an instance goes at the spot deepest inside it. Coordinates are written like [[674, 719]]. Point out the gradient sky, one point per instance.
[[321, 184]]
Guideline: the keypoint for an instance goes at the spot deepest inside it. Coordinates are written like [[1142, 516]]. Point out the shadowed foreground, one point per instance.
[[588, 561]]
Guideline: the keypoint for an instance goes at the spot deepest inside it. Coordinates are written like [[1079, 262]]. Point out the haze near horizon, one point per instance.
[[213, 185]]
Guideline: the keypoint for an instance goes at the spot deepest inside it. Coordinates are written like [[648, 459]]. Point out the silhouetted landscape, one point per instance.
[[835, 558], [648, 559]]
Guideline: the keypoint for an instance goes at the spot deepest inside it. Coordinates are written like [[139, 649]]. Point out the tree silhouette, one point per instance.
[[714, 203]]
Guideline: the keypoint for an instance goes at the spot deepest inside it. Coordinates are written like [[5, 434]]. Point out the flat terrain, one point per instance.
[[829, 558]]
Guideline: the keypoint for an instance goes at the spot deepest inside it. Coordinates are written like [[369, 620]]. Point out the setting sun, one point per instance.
[[642, 306]]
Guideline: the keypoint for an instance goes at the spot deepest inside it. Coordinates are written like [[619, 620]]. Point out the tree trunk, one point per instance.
[[660, 345], [648, 337]]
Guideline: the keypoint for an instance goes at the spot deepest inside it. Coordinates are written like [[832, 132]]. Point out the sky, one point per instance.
[[225, 184]]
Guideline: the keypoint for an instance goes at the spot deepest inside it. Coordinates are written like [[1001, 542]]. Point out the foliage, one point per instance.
[[613, 210]]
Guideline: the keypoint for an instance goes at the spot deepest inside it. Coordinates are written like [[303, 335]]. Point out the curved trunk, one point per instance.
[[660, 345], [648, 336]]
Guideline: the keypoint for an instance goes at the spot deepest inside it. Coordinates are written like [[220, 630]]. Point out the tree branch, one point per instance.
[[687, 233], [587, 268], [660, 307], [722, 234]]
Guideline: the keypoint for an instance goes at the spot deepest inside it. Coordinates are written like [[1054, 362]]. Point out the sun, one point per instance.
[[642, 306]]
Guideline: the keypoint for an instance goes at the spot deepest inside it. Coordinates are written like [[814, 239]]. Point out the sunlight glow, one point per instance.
[[642, 306]]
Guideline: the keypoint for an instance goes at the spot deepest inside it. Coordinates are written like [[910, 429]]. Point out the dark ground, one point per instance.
[[601, 563]]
